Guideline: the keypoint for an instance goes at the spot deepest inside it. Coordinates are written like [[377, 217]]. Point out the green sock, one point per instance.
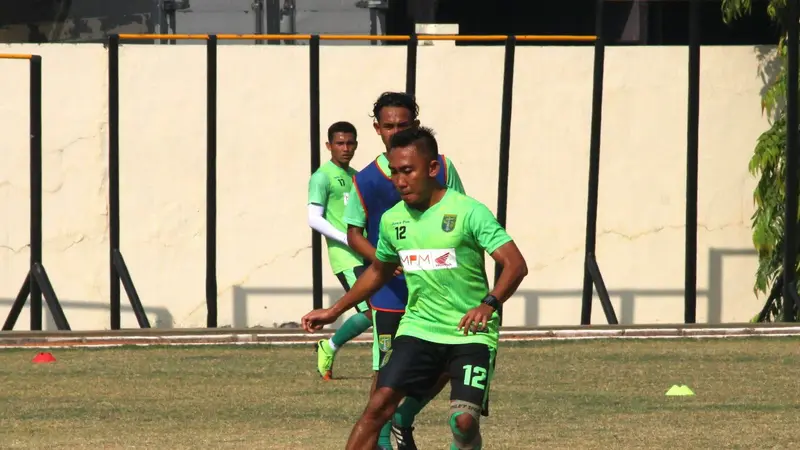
[[385, 438], [405, 413], [352, 327]]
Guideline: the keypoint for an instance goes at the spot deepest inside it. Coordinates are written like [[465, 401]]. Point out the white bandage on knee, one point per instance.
[[472, 439]]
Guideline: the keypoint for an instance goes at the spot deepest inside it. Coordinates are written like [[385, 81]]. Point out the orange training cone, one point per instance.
[[44, 358]]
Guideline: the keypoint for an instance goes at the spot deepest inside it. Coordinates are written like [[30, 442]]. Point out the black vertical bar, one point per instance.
[[258, 7], [211, 181], [273, 20], [36, 185], [163, 25], [692, 131], [790, 222], [505, 143], [113, 176], [411, 65], [594, 162], [313, 95]]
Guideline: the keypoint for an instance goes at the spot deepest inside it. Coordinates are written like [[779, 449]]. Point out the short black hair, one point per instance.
[[341, 127], [396, 99], [422, 138]]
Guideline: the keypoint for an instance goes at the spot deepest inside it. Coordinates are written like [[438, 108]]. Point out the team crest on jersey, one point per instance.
[[449, 222], [385, 342], [385, 358]]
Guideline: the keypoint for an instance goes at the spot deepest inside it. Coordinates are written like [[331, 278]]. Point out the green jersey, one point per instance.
[[442, 251], [355, 215], [329, 187]]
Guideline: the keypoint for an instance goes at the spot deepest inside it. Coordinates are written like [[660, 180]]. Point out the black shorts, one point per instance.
[[413, 367], [384, 328], [348, 279]]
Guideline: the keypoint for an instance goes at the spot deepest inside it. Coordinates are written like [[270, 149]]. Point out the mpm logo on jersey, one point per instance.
[[428, 259], [449, 222]]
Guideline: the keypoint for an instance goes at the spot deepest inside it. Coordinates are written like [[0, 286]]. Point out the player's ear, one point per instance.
[[355, 147], [328, 146], [434, 168], [377, 127], [415, 124]]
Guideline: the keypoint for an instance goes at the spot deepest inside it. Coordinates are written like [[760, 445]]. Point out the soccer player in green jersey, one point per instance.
[[440, 238], [328, 194], [392, 112]]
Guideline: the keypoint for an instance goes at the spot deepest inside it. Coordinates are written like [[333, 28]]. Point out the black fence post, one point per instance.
[[36, 283], [594, 163], [505, 143], [411, 64], [692, 131], [314, 133], [113, 176], [790, 298], [211, 181], [118, 271], [35, 98]]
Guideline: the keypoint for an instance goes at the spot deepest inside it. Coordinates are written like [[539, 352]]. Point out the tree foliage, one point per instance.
[[769, 157]]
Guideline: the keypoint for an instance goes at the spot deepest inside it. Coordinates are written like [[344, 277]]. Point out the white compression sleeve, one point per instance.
[[318, 223]]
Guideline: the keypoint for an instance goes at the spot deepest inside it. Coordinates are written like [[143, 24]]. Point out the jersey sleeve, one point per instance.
[[453, 180], [318, 189], [386, 251], [486, 230], [354, 213]]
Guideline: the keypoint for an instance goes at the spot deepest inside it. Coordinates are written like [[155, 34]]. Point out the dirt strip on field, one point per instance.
[[294, 336]]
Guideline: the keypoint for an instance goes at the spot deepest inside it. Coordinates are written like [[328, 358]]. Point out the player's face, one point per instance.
[[342, 147], [392, 119], [413, 175]]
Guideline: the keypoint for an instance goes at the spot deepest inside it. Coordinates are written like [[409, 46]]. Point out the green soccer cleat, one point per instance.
[[324, 359]]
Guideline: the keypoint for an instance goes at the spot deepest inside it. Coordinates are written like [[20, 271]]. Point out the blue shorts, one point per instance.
[[392, 297]]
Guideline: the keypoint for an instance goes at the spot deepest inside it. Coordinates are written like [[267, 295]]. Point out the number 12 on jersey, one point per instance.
[[400, 232], [474, 376]]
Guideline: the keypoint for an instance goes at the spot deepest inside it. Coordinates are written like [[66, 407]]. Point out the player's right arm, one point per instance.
[[356, 219], [318, 192], [374, 277]]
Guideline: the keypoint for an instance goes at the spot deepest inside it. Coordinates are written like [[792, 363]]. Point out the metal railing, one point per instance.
[[592, 277]]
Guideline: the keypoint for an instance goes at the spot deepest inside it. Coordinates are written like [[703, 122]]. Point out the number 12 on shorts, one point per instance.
[[474, 376]]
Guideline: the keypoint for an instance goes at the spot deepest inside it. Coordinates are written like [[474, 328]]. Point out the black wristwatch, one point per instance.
[[492, 301]]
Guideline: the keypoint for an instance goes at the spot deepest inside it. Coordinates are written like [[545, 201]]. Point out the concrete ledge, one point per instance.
[[264, 336]]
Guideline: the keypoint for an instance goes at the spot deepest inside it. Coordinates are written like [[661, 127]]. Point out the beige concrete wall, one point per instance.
[[264, 242]]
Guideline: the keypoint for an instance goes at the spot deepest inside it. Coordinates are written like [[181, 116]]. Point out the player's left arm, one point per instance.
[[515, 269], [453, 179], [494, 239], [491, 236]]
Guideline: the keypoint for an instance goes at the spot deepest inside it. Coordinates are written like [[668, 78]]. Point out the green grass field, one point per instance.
[[546, 395]]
